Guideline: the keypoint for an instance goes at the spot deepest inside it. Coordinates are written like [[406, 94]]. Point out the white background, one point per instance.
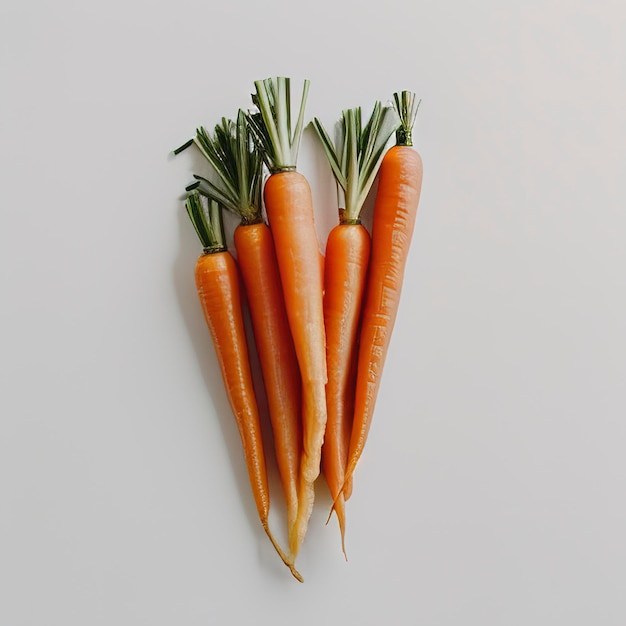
[[492, 488]]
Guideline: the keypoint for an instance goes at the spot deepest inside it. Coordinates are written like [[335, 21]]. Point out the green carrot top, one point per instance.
[[357, 155], [207, 220], [271, 125], [406, 109], [238, 165]]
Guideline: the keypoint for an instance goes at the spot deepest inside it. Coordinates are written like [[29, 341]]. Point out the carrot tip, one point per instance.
[[287, 561], [296, 573], [342, 528], [330, 514]]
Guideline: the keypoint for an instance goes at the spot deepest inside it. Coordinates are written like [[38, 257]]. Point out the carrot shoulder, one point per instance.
[[395, 209]]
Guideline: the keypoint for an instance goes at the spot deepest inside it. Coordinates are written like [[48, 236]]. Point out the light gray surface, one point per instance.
[[492, 488]]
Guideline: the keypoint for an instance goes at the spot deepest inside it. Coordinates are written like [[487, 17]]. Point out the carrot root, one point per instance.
[[286, 560], [277, 357], [289, 207], [347, 257], [392, 228], [339, 509], [217, 280]]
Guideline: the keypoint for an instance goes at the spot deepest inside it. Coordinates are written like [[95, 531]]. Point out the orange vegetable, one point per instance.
[[397, 198], [289, 208], [354, 162], [277, 357], [217, 281], [347, 256], [239, 167]]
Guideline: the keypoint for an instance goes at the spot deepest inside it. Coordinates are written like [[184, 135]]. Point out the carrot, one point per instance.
[[395, 209], [279, 366], [239, 167], [217, 281], [289, 208], [354, 162]]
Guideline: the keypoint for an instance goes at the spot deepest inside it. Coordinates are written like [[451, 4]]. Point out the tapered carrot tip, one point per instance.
[[287, 561], [296, 573], [342, 522], [342, 528]]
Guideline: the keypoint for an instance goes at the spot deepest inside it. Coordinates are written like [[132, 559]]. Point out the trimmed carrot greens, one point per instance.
[[207, 221], [356, 156], [406, 109], [271, 126], [238, 165]]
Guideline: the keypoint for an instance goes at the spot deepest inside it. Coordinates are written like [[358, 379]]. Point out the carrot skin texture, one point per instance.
[[217, 281], [218, 285], [395, 209], [347, 258], [289, 208], [277, 357]]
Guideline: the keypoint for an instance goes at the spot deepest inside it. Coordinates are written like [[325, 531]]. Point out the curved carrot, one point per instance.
[[217, 281], [277, 357], [239, 167], [289, 208], [354, 161], [395, 209], [347, 256]]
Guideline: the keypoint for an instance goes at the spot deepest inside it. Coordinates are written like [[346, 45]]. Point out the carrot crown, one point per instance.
[[207, 220], [406, 109], [358, 154], [231, 153], [271, 126]]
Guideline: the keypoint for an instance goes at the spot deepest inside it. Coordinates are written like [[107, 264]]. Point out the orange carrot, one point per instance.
[[354, 162], [397, 198], [239, 167], [217, 281], [277, 357], [289, 207], [347, 256]]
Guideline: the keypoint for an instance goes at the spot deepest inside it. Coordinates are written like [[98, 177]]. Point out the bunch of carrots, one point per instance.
[[321, 325]]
